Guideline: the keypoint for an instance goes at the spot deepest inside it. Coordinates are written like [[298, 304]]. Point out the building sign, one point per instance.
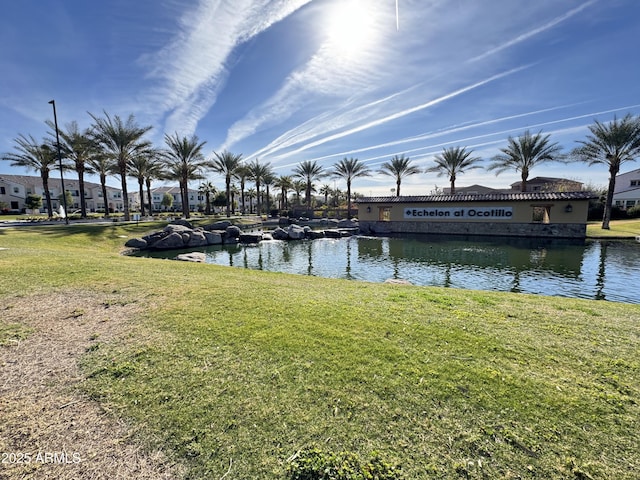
[[459, 213]]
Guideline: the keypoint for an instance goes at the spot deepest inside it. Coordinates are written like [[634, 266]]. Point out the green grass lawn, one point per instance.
[[617, 228], [244, 368]]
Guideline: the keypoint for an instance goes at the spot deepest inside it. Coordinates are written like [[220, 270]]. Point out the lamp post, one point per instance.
[[64, 193]]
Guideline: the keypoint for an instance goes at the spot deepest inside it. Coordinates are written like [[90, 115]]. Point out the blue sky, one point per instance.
[[292, 80]]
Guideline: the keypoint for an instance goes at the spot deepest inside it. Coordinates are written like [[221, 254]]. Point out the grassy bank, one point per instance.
[[617, 228], [235, 371]]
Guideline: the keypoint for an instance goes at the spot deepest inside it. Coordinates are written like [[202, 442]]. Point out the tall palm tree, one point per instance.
[[36, 156], [186, 162], [399, 167], [141, 167], [524, 153], [309, 171], [284, 183], [298, 186], [268, 180], [138, 169], [241, 174], [226, 164], [349, 169], [120, 140], [251, 194], [103, 165], [155, 171], [452, 162], [612, 145], [207, 189], [257, 172], [77, 146]]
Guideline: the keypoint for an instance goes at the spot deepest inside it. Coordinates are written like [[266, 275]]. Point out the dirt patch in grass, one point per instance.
[[48, 427]]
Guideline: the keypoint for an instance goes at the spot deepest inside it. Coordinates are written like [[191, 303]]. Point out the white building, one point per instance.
[[15, 188], [626, 194]]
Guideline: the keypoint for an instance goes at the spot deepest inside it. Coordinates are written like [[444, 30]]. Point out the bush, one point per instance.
[[634, 212], [314, 464]]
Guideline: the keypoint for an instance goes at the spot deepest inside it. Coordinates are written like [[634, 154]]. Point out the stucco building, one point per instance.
[[15, 188], [627, 192], [523, 214]]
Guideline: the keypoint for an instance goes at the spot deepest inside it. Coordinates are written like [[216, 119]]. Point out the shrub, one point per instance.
[[314, 464], [634, 212]]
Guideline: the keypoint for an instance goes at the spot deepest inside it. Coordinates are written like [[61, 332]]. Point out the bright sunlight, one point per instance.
[[350, 27]]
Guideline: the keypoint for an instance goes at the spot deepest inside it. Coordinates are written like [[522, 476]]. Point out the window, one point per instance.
[[16, 190], [635, 183], [3, 191], [630, 203], [384, 214], [541, 213]]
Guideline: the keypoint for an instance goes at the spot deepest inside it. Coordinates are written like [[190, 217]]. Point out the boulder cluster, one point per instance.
[[181, 234]]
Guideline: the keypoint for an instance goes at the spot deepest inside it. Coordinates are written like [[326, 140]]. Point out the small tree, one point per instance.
[[167, 201], [33, 202]]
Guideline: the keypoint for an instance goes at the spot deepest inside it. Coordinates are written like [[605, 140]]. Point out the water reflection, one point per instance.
[[591, 269]]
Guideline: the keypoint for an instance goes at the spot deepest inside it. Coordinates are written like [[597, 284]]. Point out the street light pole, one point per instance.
[[64, 193]]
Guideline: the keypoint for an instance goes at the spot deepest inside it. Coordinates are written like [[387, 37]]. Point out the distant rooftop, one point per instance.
[[483, 197]]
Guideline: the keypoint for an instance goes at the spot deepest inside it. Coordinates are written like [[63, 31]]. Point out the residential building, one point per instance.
[[549, 184], [15, 188], [626, 194], [196, 199]]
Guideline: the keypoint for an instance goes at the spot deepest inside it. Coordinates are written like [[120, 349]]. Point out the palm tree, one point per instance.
[[138, 169], [241, 174], [257, 173], [399, 167], [309, 171], [155, 171], [612, 145], [103, 165], [121, 141], [36, 156], [453, 161], [268, 179], [326, 191], [348, 169], [77, 146], [524, 153], [226, 164], [207, 189], [186, 162], [251, 194], [298, 186], [284, 183]]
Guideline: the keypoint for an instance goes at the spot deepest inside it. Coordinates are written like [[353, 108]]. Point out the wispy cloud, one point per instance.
[[396, 115], [531, 33], [192, 69]]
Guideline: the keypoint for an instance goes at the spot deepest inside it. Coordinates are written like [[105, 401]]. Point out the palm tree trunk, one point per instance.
[[349, 200], [141, 193], [45, 185], [228, 181], [83, 201], [609, 201], [125, 192], [103, 184], [258, 205], [148, 182], [398, 188], [185, 197]]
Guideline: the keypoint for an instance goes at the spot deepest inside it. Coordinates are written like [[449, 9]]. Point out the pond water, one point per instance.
[[592, 269]]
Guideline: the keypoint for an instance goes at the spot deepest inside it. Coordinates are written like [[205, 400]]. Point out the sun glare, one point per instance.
[[350, 27]]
